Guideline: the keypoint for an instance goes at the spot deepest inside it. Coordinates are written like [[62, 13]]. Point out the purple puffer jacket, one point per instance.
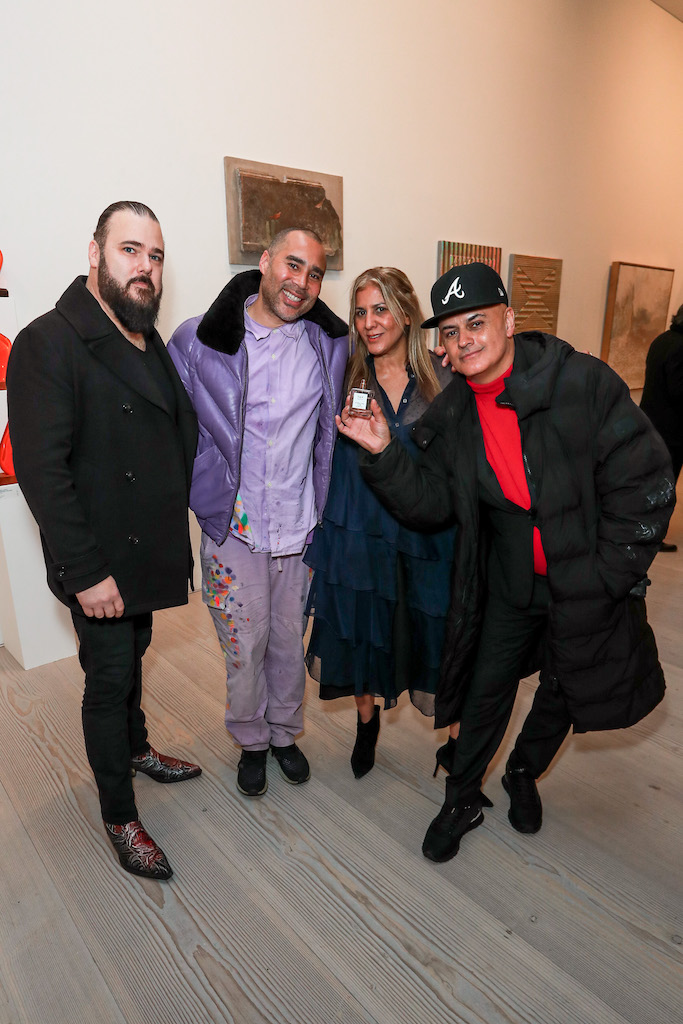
[[211, 358]]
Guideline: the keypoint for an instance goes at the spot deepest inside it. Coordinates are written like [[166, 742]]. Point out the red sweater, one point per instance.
[[503, 446]]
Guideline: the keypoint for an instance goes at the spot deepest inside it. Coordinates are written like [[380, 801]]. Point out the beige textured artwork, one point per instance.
[[637, 305], [535, 292], [263, 199]]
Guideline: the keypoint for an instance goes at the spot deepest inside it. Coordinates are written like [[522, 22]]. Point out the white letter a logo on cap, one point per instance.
[[455, 289]]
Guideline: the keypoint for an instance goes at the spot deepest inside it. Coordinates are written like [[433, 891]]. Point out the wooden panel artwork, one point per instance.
[[637, 304], [534, 292]]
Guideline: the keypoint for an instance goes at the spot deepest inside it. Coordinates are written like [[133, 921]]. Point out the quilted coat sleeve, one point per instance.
[[417, 493], [634, 482]]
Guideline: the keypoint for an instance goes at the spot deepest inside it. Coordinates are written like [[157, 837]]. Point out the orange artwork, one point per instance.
[[5, 349], [6, 461]]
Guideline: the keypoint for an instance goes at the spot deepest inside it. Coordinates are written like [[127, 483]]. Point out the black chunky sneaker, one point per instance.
[[442, 840], [292, 763], [526, 810], [251, 773]]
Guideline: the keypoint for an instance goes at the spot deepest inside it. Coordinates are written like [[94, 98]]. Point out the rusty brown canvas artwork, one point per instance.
[[263, 199]]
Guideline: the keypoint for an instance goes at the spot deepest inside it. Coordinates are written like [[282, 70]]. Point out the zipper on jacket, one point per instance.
[[331, 389], [239, 458], [531, 482]]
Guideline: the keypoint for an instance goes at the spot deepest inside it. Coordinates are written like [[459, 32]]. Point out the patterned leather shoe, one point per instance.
[[293, 764], [162, 768], [138, 852]]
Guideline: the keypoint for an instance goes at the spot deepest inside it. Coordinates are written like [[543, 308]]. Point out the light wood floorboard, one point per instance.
[[314, 904]]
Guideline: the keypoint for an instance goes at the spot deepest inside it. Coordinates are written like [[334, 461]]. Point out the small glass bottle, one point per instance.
[[360, 401]]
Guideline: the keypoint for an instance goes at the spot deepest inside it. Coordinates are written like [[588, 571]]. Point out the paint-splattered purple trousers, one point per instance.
[[257, 605]]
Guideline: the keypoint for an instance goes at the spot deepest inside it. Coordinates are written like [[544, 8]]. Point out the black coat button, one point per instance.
[[130, 476], [133, 540], [126, 407]]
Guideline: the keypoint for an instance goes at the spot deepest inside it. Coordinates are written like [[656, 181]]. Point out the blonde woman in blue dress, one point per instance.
[[380, 592]]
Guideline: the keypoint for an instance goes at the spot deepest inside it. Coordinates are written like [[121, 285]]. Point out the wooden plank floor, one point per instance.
[[314, 905]]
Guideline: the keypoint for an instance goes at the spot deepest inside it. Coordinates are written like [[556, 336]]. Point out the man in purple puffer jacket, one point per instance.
[[264, 369]]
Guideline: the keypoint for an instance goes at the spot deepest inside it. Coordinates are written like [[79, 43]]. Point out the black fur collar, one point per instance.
[[222, 326]]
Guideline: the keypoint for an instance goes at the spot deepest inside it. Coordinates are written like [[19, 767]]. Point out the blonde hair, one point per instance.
[[401, 301]]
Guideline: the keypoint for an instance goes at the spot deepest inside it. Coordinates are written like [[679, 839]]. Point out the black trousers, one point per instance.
[[676, 453], [110, 654], [508, 637]]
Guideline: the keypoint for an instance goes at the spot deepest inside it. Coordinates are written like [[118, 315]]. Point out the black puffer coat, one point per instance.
[[605, 494]]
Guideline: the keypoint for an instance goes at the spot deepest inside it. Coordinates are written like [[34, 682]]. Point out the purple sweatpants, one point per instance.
[[257, 604]]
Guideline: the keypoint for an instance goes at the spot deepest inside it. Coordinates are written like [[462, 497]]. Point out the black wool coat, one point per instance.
[[604, 492], [104, 466]]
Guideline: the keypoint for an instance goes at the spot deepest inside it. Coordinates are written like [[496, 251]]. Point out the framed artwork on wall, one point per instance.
[[534, 292], [263, 199], [455, 254], [637, 306]]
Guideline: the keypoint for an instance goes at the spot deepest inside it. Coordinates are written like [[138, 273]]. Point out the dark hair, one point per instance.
[[677, 319], [100, 234], [278, 239]]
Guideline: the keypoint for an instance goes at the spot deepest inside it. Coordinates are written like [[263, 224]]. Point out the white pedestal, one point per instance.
[[36, 628], [8, 317]]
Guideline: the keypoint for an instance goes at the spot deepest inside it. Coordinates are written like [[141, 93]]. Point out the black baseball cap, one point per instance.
[[466, 287]]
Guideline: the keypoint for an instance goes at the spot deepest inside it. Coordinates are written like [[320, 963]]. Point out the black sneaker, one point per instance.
[[449, 826], [526, 810], [293, 765], [251, 773]]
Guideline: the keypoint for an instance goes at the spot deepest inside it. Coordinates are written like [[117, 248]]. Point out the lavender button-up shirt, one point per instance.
[[281, 415]]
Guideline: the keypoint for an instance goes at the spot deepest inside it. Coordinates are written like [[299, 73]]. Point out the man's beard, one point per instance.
[[137, 314]]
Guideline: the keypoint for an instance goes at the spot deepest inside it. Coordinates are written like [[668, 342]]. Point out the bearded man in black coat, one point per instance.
[[562, 492], [104, 438]]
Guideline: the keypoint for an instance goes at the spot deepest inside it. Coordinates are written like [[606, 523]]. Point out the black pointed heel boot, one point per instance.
[[444, 756], [363, 756]]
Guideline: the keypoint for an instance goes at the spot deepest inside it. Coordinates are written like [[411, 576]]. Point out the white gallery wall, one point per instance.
[[547, 127]]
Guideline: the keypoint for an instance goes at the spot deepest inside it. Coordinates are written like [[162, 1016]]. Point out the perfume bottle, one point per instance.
[[360, 401]]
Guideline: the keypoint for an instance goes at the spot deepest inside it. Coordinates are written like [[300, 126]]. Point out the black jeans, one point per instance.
[[508, 637], [676, 453], [110, 654]]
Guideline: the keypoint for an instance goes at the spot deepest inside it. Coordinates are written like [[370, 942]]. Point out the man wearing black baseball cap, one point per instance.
[[562, 492]]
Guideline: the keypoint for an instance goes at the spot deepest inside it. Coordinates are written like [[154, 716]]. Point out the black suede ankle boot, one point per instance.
[[363, 756]]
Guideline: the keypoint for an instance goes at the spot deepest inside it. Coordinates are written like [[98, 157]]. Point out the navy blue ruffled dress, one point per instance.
[[380, 592]]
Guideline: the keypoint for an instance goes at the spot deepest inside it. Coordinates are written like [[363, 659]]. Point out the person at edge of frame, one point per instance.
[[662, 397]]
